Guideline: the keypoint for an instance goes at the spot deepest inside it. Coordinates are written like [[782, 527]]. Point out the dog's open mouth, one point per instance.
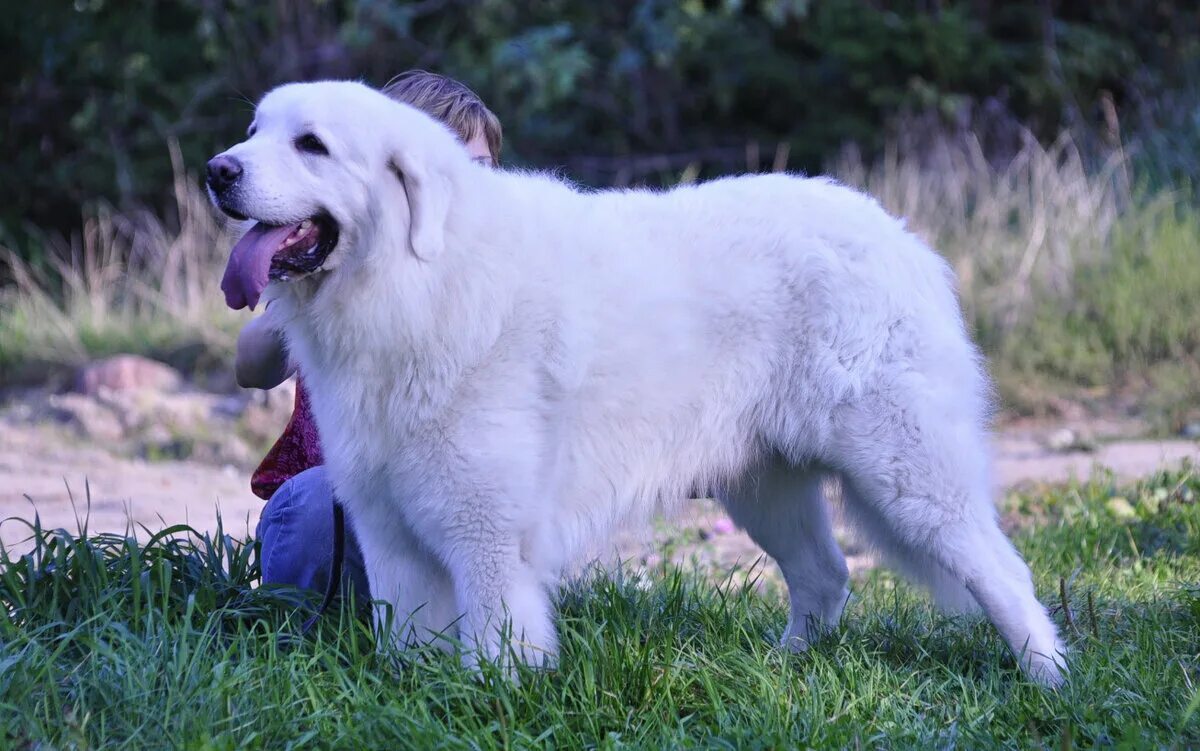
[[276, 253]]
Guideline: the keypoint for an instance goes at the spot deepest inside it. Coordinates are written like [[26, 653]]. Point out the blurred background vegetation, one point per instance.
[[1047, 147]]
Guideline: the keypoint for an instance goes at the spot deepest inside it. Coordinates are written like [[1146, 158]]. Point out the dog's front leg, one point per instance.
[[507, 611], [486, 483], [417, 592]]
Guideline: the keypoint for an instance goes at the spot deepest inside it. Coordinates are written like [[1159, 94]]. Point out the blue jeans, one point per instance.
[[296, 534]]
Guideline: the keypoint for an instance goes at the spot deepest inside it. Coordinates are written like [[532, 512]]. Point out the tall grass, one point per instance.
[[129, 283], [1069, 275], [1017, 231]]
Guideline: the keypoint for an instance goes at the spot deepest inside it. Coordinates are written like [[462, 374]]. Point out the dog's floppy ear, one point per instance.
[[429, 193]]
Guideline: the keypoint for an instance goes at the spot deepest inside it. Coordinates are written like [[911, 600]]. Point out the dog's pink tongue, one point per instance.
[[250, 263]]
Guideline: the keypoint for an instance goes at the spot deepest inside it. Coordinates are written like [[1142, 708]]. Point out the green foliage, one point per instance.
[[110, 642], [1131, 308], [96, 90], [1145, 296]]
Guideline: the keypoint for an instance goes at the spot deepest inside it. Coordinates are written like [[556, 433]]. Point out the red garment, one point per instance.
[[298, 449]]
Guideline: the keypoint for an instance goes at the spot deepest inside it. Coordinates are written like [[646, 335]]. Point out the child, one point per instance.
[[296, 527]]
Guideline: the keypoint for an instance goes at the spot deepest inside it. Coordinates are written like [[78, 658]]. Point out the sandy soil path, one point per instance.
[[37, 476]]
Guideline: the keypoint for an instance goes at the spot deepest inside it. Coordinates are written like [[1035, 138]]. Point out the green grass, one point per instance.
[[1131, 312], [107, 642]]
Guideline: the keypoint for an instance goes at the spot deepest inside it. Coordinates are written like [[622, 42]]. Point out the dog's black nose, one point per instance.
[[223, 171]]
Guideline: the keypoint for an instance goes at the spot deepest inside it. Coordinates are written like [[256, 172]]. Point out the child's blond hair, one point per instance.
[[451, 102]]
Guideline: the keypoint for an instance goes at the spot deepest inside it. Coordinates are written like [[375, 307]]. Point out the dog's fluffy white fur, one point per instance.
[[503, 367]]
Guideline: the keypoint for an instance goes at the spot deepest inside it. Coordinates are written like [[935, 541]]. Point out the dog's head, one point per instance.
[[323, 164]]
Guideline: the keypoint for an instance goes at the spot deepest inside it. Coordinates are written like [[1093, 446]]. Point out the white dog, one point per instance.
[[504, 366]]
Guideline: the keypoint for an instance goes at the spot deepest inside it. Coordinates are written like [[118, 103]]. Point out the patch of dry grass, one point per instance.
[[131, 283], [1016, 231], [1070, 277]]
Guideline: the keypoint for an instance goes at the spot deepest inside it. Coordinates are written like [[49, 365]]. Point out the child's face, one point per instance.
[[477, 147]]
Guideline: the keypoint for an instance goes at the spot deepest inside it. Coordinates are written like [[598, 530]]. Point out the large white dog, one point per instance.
[[504, 366]]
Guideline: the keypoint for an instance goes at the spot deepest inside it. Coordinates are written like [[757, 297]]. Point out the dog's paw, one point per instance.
[[1049, 670], [793, 643]]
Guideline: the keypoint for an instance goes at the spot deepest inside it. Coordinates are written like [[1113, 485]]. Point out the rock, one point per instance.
[[1065, 439], [279, 399], [1063, 409], [126, 373], [1191, 430], [231, 407], [1061, 440], [157, 435], [94, 421], [185, 415], [232, 450], [266, 413]]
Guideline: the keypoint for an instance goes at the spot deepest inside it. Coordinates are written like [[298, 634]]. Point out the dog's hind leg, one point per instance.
[[783, 509], [925, 483]]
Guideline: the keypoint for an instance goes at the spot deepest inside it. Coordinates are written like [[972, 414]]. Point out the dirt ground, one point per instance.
[[46, 469]]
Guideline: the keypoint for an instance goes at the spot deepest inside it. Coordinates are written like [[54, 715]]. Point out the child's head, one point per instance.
[[455, 105]]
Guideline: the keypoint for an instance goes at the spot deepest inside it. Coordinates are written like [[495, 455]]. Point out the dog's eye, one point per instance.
[[310, 144], [250, 131]]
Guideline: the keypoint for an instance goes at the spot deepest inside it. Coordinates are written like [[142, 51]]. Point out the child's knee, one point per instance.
[[295, 528], [301, 502]]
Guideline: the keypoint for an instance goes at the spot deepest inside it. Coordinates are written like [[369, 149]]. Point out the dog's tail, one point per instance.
[[949, 594]]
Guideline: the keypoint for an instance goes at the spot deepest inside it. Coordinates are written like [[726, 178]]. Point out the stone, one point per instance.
[[126, 373], [1061, 440], [231, 407], [93, 420], [1065, 440]]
